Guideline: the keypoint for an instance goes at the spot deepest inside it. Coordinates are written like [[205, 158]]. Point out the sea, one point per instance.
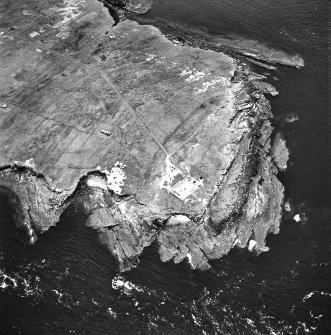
[[68, 282]]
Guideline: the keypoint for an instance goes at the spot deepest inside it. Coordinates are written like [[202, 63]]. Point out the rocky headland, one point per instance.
[[157, 142]]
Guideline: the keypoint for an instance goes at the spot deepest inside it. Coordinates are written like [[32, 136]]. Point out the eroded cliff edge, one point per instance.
[[158, 142]]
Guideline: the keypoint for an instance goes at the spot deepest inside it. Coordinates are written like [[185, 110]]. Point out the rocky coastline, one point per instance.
[[157, 142], [245, 50]]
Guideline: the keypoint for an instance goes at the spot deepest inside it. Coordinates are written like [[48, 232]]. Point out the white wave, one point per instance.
[[7, 281], [111, 312], [115, 178], [59, 294], [126, 286], [309, 295], [26, 286], [315, 316]]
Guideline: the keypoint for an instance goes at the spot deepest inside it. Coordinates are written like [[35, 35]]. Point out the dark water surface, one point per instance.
[[67, 283]]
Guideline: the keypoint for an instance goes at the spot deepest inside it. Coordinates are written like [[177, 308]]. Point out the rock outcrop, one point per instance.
[[139, 6], [133, 6], [158, 142]]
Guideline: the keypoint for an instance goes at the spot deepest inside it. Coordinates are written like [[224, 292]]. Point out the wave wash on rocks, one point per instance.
[[157, 142]]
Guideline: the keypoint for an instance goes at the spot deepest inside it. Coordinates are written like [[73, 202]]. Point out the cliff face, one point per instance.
[[161, 142]]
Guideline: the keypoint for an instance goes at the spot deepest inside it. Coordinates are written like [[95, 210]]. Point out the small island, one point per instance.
[[157, 142]]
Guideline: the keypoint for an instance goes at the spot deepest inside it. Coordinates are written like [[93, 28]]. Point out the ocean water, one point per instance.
[[68, 283]]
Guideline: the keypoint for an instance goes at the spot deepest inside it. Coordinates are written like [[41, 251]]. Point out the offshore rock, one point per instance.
[[157, 142]]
